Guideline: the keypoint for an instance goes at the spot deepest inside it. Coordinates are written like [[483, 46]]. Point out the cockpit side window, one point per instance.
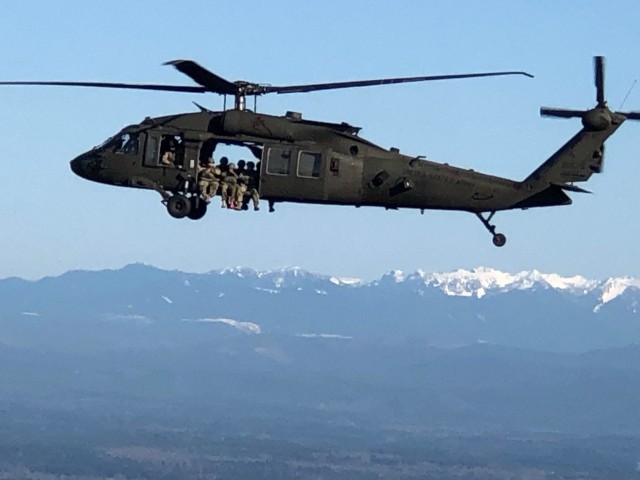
[[171, 151], [127, 144], [151, 150], [166, 151]]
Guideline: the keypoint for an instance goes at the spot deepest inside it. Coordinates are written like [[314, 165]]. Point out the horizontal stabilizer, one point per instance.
[[551, 196], [570, 188]]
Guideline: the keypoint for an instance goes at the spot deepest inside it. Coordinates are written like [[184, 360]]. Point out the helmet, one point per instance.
[[231, 166], [250, 165]]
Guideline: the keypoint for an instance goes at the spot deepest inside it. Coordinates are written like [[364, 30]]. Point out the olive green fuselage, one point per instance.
[[301, 161]]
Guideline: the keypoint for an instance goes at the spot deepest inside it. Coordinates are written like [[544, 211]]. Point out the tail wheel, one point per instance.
[[499, 240], [178, 206], [198, 208]]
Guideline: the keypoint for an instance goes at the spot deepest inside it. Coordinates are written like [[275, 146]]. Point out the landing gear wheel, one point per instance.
[[499, 240], [178, 206], [198, 208]]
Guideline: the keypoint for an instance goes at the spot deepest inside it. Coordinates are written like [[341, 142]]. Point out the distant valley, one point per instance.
[[112, 360]]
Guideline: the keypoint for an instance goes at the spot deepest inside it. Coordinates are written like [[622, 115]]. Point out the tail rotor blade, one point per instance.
[[631, 115], [598, 65], [560, 112]]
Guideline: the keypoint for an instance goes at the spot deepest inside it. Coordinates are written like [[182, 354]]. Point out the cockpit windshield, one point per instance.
[[127, 144], [106, 143], [123, 142]]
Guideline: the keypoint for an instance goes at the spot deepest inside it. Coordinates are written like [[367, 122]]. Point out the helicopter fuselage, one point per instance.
[[300, 161], [328, 163], [320, 162]]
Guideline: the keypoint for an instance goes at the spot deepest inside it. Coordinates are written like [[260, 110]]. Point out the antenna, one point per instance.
[[633, 84]]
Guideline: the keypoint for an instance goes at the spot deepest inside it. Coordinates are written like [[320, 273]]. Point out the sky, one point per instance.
[[53, 221]]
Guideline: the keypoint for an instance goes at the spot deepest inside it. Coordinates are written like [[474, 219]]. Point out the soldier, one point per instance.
[[208, 179], [252, 184], [168, 149], [229, 183], [241, 189]]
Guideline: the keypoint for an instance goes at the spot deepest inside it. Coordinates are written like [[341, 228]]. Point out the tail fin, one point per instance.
[[583, 155], [575, 161], [580, 157]]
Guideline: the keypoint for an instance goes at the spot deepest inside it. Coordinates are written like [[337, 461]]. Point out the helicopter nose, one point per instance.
[[86, 165], [76, 166]]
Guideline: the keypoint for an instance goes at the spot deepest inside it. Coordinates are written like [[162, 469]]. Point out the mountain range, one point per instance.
[[526, 310], [294, 355]]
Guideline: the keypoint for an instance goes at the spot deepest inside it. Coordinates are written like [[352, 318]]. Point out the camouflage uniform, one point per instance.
[[229, 186], [209, 180], [241, 189]]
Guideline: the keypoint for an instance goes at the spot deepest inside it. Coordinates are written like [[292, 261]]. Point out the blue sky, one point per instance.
[[53, 221]]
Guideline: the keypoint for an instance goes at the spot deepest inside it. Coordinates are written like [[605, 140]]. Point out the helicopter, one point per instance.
[[308, 161]]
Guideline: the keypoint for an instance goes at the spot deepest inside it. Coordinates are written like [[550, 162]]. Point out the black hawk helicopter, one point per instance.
[[310, 161]]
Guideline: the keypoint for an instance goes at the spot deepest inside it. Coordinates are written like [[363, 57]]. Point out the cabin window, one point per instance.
[[278, 160], [127, 144], [151, 152], [309, 164]]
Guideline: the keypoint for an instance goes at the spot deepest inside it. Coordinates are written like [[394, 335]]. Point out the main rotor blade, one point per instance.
[[560, 112], [368, 83], [130, 86], [598, 66], [202, 76]]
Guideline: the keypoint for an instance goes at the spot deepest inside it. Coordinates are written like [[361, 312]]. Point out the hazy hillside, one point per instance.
[[526, 310], [401, 352], [145, 371]]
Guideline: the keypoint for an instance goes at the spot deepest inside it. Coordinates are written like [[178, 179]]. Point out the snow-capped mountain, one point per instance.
[[462, 283], [465, 283], [480, 281], [526, 309]]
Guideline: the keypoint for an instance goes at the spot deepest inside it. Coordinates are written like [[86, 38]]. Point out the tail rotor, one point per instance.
[[599, 117]]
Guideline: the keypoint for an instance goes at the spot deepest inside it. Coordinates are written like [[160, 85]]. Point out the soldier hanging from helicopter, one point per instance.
[[246, 187], [241, 187], [229, 183], [252, 179], [237, 184], [209, 176]]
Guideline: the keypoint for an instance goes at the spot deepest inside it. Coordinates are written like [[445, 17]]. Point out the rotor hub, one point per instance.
[[597, 119]]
